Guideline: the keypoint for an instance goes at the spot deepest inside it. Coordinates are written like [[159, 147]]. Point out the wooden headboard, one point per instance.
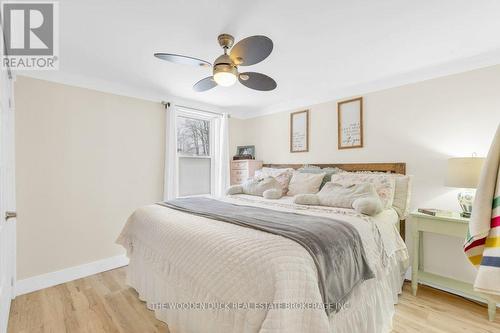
[[377, 167], [399, 168]]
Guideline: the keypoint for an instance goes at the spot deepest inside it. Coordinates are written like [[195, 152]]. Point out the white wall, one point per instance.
[[84, 161], [421, 124]]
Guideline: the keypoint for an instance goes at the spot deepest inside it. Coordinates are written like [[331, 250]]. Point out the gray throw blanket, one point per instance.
[[335, 246]]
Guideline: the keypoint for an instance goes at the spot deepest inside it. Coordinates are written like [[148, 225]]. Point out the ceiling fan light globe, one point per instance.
[[225, 79], [225, 75]]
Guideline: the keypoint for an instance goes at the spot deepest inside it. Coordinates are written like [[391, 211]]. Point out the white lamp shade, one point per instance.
[[464, 172]]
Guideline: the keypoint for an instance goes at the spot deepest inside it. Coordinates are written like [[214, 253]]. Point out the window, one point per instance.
[[193, 137], [194, 154]]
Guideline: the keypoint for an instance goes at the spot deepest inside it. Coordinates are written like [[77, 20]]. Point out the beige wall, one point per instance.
[[84, 161], [421, 124], [236, 134]]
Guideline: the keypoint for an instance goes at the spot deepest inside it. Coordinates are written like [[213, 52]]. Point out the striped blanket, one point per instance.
[[482, 245]]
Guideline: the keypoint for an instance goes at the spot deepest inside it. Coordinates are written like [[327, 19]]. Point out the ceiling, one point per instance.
[[322, 49]]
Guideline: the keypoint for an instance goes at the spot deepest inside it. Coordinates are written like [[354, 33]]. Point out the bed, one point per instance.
[[203, 275]]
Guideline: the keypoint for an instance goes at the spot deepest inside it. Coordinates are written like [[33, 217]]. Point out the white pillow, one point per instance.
[[259, 186], [234, 189], [361, 197], [339, 195], [402, 195], [305, 183], [306, 199], [384, 183], [368, 206], [273, 193]]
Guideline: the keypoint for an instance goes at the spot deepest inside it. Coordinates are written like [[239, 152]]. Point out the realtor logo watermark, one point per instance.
[[31, 35]]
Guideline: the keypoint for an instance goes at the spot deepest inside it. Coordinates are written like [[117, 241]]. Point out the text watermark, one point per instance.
[[31, 35], [230, 306]]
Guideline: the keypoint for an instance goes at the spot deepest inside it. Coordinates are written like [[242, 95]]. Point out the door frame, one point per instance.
[[7, 197]]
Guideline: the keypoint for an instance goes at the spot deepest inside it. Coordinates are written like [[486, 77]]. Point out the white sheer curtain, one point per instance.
[[170, 180], [221, 156]]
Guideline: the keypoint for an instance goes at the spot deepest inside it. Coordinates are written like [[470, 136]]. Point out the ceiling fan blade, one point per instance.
[[180, 59], [257, 81], [205, 84], [251, 50]]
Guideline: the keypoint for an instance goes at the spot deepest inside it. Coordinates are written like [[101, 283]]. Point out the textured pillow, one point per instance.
[[341, 195], [368, 206], [282, 176], [258, 186], [272, 194], [271, 172], [384, 183], [402, 195], [402, 192], [306, 199], [314, 169], [305, 183], [362, 197], [234, 189]]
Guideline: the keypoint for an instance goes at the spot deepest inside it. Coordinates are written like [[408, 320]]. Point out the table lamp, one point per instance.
[[464, 173]]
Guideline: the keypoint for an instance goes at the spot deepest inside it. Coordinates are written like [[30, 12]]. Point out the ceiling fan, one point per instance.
[[248, 51]]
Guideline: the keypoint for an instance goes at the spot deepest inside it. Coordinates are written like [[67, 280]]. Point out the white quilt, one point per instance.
[[202, 275]]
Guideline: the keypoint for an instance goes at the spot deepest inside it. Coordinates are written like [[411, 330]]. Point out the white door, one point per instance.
[[7, 199]]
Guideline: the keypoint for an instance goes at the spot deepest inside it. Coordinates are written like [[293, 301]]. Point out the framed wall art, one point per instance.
[[350, 123], [299, 131], [245, 153]]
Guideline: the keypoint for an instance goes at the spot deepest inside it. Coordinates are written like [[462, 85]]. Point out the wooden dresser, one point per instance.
[[241, 170]]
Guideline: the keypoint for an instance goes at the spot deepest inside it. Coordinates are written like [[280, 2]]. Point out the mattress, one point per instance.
[[202, 275]]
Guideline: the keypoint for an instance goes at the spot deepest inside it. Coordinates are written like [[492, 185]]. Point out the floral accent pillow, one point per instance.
[[284, 180], [283, 176], [384, 184]]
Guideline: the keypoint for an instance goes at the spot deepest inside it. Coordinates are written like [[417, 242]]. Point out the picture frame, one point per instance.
[[350, 123], [299, 131], [245, 152]]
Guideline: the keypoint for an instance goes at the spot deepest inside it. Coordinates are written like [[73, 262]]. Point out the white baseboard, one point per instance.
[[68, 274]]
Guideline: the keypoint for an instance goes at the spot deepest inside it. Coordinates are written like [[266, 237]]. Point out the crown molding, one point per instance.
[[483, 60], [115, 88]]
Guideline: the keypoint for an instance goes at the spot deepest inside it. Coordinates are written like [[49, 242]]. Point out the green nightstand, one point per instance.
[[455, 226]]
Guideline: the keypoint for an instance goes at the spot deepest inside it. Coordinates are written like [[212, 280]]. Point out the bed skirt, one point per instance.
[[370, 309]]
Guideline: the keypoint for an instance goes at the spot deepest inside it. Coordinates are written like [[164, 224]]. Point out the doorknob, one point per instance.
[[10, 215]]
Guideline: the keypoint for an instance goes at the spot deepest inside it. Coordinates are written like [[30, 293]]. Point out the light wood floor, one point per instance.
[[103, 303]]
